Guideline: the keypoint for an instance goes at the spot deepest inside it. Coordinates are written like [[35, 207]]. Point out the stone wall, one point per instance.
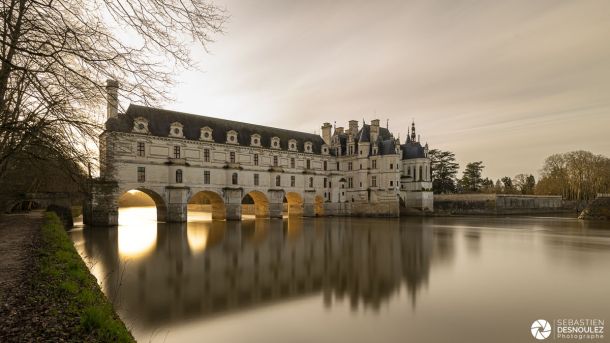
[[492, 204]]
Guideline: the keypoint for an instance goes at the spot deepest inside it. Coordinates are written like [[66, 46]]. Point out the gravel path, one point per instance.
[[17, 235], [19, 238]]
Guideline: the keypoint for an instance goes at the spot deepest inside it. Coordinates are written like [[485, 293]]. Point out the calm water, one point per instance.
[[347, 279]]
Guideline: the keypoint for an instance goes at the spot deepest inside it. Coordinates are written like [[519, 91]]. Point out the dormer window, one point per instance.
[[206, 134], [292, 145], [232, 137], [308, 147], [140, 125], [175, 130], [374, 150], [275, 142], [255, 140], [325, 149]]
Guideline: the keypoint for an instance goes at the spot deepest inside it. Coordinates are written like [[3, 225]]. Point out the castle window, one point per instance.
[[308, 146], [391, 183], [311, 182], [292, 181], [232, 137], [206, 177], [275, 161], [232, 156], [278, 181], [374, 164], [275, 142], [325, 150], [206, 155], [325, 165], [308, 163], [255, 159], [255, 140], [292, 145], [175, 130], [256, 179], [350, 182], [141, 151], [292, 163], [141, 174], [325, 182], [338, 166], [206, 134], [140, 125], [234, 178], [420, 173], [179, 176], [391, 165], [373, 181], [349, 165], [176, 151]]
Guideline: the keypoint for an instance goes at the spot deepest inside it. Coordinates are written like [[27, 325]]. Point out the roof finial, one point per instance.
[[387, 124]]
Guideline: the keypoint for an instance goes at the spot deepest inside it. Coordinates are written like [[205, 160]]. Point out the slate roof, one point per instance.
[[159, 121], [412, 150]]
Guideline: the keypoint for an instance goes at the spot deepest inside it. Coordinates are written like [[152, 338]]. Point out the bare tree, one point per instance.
[[57, 54]]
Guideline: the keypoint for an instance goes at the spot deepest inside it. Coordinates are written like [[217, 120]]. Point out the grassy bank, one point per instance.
[[73, 291]]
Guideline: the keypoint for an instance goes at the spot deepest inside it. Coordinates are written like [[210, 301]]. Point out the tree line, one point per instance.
[[576, 175]]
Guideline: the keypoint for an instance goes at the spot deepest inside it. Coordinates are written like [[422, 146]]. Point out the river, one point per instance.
[[442, 279]]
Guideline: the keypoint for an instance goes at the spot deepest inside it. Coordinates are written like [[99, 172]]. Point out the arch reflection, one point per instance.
[[200, 269]]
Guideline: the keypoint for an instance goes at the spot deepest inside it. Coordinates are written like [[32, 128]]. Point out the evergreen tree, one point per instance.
[[471, 179], [444, 171]]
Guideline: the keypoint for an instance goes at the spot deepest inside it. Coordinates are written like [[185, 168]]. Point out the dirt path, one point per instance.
[[19, 236]]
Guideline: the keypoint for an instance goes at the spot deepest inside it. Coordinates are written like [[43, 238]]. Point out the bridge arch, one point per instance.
[[219, 210], [260, 203], [295, 204], [158, 200]]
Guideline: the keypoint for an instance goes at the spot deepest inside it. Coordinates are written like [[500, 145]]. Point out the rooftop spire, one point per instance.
[[413, 131]]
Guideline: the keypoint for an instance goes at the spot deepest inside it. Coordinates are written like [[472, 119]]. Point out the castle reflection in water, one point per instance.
[[162, 273]]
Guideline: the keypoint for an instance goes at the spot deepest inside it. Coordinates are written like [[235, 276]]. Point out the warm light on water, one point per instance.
[[459, 279], [137, 231], [197, 236]]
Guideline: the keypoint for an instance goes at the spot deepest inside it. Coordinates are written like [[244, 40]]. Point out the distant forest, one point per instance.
[[576, 175]]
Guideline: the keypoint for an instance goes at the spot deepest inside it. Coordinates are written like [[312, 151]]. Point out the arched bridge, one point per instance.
[[172, 202]]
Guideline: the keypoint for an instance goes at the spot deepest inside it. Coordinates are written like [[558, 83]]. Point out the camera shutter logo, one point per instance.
[[541, 329]]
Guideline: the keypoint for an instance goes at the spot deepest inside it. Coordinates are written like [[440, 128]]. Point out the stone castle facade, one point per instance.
[[179, 158]]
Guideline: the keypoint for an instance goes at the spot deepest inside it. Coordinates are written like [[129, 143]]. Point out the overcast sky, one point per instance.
[[505, 82]]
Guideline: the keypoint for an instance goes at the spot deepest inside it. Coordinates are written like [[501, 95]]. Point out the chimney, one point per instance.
[[326, 127], [112, 95], [353, 127], [374, 130]]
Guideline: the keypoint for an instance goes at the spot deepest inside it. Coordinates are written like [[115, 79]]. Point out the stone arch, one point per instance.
[[319, 206], [160, 204], [261, 203], [219, 210], [295, 204]]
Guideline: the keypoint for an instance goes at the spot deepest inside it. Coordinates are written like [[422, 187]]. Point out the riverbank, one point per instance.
[[47, 293]]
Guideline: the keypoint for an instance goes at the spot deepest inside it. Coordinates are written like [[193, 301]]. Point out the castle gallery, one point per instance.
[[179, 158]]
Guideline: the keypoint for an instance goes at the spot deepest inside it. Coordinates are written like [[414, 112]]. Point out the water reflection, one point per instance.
[[202, 278], [199, 269]]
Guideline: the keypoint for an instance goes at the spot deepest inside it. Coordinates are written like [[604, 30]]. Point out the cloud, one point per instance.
[[503, 82]]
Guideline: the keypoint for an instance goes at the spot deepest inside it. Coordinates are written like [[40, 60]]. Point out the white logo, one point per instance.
[[541, 329]]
